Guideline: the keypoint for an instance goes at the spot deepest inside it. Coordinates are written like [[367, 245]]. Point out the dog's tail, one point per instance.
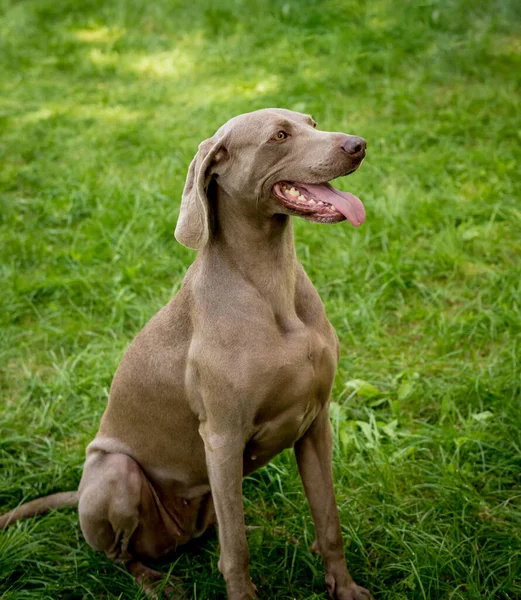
[[39, 506]]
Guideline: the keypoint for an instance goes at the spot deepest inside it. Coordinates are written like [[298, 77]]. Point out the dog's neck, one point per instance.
[[260, 248]]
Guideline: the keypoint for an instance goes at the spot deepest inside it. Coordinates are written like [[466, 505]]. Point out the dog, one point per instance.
[[238, 366]]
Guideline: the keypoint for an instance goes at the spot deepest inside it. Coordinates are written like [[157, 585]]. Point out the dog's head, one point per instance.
[[271, 161]]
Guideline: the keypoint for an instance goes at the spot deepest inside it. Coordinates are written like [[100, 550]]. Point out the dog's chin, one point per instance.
[[319, 203]]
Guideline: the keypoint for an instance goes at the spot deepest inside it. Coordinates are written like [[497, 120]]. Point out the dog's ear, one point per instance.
[[193, 225]]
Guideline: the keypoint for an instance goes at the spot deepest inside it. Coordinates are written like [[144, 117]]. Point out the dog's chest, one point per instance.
[[303, 369]]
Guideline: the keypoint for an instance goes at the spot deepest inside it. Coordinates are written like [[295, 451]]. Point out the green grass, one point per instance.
[[102, 107]]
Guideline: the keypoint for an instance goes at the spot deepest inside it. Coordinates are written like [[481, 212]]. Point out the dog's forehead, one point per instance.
[[254, 123]]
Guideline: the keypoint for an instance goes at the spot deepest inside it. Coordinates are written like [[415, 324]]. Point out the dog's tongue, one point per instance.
[[346, 203]]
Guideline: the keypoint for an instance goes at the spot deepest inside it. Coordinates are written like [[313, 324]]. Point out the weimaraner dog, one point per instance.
[[235, 368]]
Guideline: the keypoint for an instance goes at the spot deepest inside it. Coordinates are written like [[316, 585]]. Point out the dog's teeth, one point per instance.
[[293, 192], [302, 198], [320, 203], [311, 201]]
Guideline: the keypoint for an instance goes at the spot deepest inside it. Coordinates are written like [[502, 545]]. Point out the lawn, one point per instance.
[[102, 106]]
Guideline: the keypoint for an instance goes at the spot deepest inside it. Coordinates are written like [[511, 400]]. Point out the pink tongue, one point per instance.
[[348, 204]]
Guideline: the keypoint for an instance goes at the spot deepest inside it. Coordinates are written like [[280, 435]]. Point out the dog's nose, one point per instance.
[[354, 145]]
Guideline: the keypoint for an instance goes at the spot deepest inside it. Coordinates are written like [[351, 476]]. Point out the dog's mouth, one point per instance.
[[321, 203]]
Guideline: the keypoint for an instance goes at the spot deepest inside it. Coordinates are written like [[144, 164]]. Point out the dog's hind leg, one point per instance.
[[116, 507]]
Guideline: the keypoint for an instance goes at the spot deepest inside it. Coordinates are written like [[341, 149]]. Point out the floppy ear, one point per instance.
[[193, 225]]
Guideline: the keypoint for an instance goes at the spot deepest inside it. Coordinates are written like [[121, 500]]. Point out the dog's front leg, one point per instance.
[[314, 459], [224, 459]]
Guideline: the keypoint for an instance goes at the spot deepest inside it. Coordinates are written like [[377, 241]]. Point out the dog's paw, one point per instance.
[[353, 592], [349, 591], [243, 596], [250, 594]]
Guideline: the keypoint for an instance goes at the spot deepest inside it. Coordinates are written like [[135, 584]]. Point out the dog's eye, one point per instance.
[[281, 135]]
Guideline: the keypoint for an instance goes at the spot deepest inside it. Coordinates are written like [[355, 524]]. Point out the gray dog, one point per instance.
[[235, 368]]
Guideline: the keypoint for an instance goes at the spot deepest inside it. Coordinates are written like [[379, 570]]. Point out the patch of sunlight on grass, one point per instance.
[[99, 35], [104, 59], [164, 64], [250, 89], [177, 64], [178, 61], [167, 64], [37, 115]]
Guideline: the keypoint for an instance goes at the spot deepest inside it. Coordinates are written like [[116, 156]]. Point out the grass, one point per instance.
[[102, 107]]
